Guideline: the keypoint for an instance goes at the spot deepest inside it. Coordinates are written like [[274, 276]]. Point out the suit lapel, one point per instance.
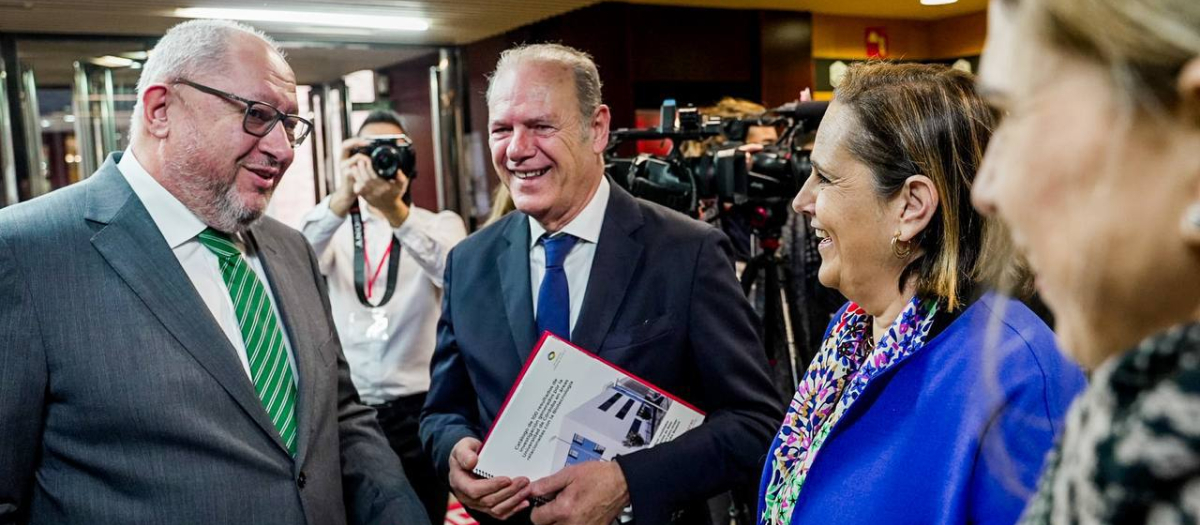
[[283, 276], [618, 256], [513, 264], [134, 247]]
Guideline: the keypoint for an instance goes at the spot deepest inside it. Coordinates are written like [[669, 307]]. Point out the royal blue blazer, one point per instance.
[[954, 434]]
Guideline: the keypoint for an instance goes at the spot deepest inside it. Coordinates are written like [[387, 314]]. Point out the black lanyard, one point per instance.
[[360, 268]]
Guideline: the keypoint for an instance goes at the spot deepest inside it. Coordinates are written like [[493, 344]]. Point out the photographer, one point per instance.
[[388, 346]]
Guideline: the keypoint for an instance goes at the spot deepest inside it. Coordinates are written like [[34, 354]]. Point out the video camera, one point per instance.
[[390, 154], [755, 185]]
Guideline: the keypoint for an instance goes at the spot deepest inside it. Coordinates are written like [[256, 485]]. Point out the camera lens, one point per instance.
[[385, 160]]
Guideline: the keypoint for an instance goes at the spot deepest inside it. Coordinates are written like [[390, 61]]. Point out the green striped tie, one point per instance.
[[269, 367]]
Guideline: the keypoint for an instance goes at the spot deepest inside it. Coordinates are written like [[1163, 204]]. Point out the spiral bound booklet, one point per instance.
[[569, 406]]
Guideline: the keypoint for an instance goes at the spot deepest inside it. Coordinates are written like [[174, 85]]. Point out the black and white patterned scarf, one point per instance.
[[1131, 449]]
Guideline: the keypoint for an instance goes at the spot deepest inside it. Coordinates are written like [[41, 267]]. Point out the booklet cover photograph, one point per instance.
[[571, 406], [619, 420]]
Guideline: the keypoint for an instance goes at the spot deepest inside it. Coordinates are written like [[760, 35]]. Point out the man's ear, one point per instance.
[[155, 100], [919, 199], [599, 128]]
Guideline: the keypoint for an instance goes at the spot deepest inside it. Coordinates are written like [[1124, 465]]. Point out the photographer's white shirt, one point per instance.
[[388, 348]]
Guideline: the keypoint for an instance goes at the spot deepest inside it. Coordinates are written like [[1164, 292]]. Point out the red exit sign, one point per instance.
[[877, 42]]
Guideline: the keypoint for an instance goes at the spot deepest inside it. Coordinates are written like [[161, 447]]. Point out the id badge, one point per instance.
[[370, 326]]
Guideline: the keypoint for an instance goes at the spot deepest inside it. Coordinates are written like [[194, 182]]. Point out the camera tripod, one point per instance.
[[772, 278], [765, 278]]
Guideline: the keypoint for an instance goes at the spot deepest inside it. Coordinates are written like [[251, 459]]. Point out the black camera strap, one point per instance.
[[361, 263]]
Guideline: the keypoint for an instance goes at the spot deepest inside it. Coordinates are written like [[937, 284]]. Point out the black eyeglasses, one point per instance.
[[261, 117]]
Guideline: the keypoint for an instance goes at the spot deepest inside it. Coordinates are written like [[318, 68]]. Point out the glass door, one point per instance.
[[103, 99], [72, 102], [8, 168], [28, 95]]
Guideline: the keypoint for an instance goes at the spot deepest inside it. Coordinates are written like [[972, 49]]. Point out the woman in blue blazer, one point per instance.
[[929, 402]]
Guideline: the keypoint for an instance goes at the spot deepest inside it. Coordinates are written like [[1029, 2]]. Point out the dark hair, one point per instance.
[[918, 119], [384, 116]]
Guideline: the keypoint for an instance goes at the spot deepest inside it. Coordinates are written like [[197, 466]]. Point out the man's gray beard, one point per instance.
[[214, 201]]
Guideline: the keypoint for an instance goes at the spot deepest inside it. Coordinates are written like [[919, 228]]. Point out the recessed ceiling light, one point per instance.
[[112, 61], [937, 2], [311, 18]]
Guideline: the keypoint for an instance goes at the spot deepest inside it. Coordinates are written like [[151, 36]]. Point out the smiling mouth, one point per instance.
[[529, 174], [822, 236], [263, 172]]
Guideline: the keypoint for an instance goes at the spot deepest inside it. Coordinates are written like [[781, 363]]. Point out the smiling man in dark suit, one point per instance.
[[167, 355], [642, 286]]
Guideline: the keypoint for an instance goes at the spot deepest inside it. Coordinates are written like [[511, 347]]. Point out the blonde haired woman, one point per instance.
[[1096, 171]]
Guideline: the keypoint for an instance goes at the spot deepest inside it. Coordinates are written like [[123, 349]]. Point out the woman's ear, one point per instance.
[[155, 99], [1188, 86], [1189, 97], [919, 198]]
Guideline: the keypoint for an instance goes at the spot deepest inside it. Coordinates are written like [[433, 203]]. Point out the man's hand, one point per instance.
[[360, 179], [591, 493], [387, 196], [498, 497], [343, 198]]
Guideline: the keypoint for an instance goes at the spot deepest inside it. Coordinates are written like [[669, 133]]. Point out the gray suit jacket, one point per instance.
[[122, 401]]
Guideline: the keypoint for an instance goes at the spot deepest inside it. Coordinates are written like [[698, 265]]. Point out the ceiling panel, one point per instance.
[[451, 22], [319, 54], [910, 9], [314, 63]]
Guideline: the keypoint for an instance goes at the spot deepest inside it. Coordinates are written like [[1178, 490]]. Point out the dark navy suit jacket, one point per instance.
[[662, 302]]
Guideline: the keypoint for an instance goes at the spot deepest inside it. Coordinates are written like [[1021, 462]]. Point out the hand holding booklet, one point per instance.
[[569, 406]]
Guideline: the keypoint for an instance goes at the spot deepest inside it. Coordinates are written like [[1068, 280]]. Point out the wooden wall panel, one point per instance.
[[787, 65], [960, 36], [409, 94]]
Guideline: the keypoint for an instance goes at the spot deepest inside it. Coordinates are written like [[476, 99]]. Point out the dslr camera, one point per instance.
[[390, 154]]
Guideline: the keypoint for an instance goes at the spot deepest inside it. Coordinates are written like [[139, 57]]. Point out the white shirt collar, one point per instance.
[[586, 225], [176, 222]]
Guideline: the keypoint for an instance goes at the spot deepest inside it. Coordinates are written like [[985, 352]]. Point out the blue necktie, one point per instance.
[[554, 298]]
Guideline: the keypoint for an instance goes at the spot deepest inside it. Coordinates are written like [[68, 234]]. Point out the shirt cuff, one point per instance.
[[322, 219]]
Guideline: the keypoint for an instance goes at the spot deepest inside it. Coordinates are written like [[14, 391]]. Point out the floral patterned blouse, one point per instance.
[[1131, 449], [838, 375]]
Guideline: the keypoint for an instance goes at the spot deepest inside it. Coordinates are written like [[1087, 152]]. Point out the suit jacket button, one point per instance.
[[301, 481]]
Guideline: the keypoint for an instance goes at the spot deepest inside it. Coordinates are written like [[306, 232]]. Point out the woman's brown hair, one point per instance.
[[919, 119]]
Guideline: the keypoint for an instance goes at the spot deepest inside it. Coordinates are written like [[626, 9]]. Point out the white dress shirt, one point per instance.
[[388, 348], [578, 265], [180, 227]]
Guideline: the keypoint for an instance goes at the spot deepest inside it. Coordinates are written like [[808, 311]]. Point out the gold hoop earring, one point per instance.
[[901, 249]]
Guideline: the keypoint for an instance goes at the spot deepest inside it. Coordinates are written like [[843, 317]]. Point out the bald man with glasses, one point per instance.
[[167, 354]]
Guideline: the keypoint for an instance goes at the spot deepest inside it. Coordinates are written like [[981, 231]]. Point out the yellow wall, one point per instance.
[[842, 37], [958, 36]]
